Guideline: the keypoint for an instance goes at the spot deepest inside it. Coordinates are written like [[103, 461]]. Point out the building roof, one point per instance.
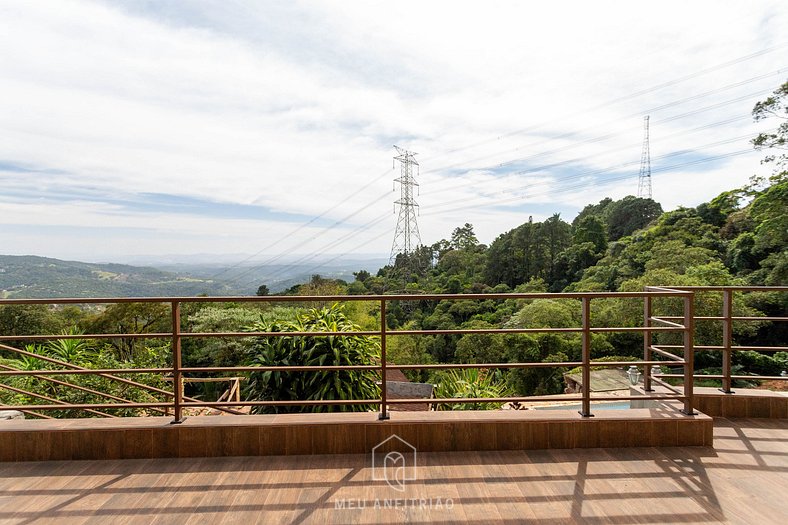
[[605, 380]]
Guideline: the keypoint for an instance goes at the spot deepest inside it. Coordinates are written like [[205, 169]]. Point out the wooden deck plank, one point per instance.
[[742, 481]]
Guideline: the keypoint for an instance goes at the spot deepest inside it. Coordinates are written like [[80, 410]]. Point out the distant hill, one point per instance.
[[248, 275], [31, 277]]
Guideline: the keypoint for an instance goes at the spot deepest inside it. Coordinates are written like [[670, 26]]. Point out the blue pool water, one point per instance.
[[618, 405]]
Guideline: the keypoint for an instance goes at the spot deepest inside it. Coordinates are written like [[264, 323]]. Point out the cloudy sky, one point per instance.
[[249, 127]]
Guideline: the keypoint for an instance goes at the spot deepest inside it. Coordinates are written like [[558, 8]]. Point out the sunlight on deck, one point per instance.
[[739, 481]]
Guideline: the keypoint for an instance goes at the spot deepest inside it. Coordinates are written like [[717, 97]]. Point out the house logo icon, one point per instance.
[[394, 461]]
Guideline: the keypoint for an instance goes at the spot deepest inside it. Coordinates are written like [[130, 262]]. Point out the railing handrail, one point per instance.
[[683, 324], [727, 347], [666, 292]]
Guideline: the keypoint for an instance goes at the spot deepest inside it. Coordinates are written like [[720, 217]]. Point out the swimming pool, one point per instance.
[[617, 405]]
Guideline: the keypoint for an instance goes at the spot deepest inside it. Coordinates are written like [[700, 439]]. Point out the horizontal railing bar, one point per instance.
[[448, 366], [165, 335], [482, 331], [517, 399], [677, 359], [670, 323], [365, 333], [639, 398], [563, 364], [722, 288], [696, 376], [759, 318], [310, 402], [452, 400], [54, 337], [762, 378], [207, 379], [743, 378], [86, 406], [747, 348], [281, 334], [315, 368], [638, 329], [329, 402], [342, 298], [734, 318], [663, 384], [697, 318], [626, 363], [83, 371]]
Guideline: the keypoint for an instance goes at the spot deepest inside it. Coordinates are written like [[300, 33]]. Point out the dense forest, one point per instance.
[[739, 237]]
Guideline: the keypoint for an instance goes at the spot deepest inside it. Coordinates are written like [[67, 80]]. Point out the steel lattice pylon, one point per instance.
[[406, 234], [644, 180]]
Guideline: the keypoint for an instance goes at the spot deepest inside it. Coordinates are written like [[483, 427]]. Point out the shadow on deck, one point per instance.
[[741, 480]]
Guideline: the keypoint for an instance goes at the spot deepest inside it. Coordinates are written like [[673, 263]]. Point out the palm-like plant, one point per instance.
[[70, 350], [313, 351], [470, 383]]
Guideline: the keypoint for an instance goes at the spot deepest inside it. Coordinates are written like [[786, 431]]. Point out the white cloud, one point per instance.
[[292, 107]]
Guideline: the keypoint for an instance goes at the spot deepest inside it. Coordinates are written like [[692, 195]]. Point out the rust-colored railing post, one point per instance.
[[727, 339], [647, 314], [177, 375], [689, 352], [585, 411], [383, 387]]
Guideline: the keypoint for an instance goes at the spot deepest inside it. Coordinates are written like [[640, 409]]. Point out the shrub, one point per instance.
[[312, 351]]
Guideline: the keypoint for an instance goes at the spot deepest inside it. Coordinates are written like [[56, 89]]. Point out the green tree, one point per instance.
[[590, 229], [630, 214], [26, 319], [463, 238], [774, 106], [133, 318]]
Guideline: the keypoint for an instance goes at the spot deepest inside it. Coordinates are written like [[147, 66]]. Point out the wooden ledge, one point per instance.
[[743, 402], [347, 433]]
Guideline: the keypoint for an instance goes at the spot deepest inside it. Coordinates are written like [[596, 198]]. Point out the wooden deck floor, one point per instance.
[[741, 480]]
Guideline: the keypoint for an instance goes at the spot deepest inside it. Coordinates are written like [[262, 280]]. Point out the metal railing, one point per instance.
[[727, 318], [175, 401]]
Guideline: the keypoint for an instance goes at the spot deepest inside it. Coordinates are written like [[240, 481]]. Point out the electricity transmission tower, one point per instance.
[[406, 234], [644, 180]]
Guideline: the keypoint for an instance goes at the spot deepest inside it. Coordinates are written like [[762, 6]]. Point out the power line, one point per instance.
[[543, 167], [587, 173], [352, 250], [562, 180], [594, 139], [301, 227], [613, 101], [616, 100], [315, 236], [595, 183], [568, 189], [558, 191], [315, 254]]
